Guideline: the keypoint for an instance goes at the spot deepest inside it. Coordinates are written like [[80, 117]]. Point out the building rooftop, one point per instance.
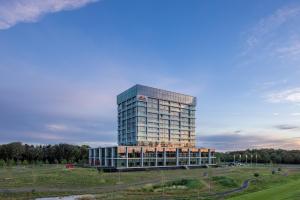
[[155, 93]]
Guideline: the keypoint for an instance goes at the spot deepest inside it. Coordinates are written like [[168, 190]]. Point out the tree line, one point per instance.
[[18, 153], [278, 156]]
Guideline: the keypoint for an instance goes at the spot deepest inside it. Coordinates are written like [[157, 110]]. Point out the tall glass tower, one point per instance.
[[154, 117]]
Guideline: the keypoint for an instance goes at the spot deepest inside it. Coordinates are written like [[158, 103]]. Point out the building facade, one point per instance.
[[126, 157], [156, 128], [154, 117]]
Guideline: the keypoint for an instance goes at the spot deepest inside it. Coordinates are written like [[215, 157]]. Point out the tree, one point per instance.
[[264, 156], [52, 154]]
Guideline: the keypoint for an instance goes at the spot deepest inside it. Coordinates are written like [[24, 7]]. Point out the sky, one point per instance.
[[62, 63]]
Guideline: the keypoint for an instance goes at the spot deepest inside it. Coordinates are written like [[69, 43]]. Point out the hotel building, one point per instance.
[[156, 128]]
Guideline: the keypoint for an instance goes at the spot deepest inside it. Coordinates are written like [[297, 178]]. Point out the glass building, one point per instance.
[[156, 129], [154, 117]]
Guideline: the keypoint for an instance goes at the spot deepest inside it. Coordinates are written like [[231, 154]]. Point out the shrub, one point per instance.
[[38, 162], [64, 161], [2, 163], [256, 174], [273, 171], [171, 185], [11, 162], [225, 181], [25, 162], [279, 169]]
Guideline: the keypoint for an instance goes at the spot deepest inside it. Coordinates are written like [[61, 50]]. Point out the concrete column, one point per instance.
[[126, 148], [90, 157], [155, 156], [94, 156], [177, 157], [200, 159], [100, 156], [142, 156], [112, 156], [165, 157], [189, 154], [209, 157], [105, 157]]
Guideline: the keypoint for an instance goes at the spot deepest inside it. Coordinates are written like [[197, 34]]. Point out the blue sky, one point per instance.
[[62, 63]]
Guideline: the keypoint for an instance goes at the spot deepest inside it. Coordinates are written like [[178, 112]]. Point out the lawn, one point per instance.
[[290, 190], [54, 180]]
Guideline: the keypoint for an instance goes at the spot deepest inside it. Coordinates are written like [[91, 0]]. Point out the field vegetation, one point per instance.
[[31, 181]]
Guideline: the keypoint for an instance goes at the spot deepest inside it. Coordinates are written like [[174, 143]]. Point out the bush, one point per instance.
[[25, 162], [171, 185], [256, 174], [273, 171], [11, 162], [38, 162], [2, 163], [225, 181], [64, 161], [279, 169]]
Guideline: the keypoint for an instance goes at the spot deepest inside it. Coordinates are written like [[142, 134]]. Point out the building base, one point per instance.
[[144, 157]]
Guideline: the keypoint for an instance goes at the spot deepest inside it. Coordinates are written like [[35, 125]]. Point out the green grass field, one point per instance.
[[54, 180], [290, 190]]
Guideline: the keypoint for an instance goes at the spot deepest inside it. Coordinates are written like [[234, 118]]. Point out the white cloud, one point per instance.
[[290, 51], [237, 141], [57, 127], [266, 25], [295, 114], [15, 11], [274, 38], [285, 96]]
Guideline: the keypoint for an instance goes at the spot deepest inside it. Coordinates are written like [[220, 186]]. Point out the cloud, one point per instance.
[[57, 127], [285, 96], [290, 50], [234, 141], [16, 11], [286, 127], [295, 114], [274, 39], [42, 107], [270, 23]]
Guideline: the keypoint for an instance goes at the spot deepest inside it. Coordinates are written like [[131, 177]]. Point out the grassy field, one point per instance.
[[54, 180], [290, 190]]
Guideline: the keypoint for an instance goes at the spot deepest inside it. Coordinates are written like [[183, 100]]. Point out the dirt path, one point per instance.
[[244, 186]]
